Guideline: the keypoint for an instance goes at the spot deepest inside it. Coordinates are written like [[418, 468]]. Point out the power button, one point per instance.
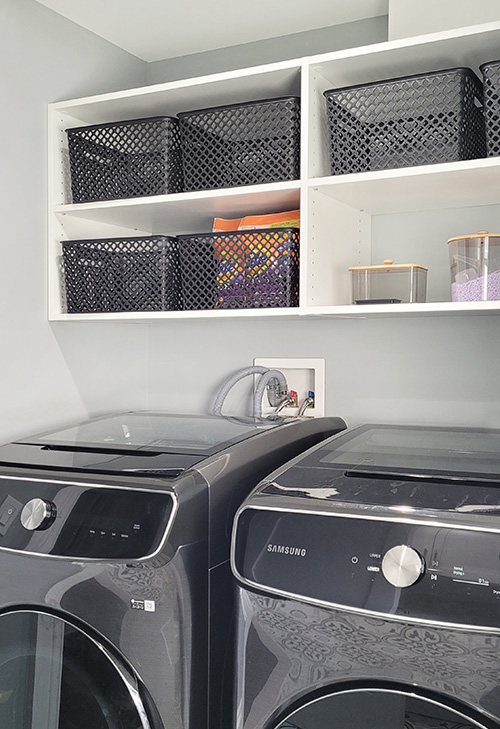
[[9, 509]]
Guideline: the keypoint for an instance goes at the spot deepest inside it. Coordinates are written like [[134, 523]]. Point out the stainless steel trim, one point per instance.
[[127, 674], [167, 491], [350, 515], [434, 702], [345, 608]]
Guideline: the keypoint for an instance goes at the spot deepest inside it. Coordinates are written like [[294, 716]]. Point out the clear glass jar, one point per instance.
[[389, 283], [475, 267]]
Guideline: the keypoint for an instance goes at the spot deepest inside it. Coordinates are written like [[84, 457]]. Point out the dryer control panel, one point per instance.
[[82, 521], [417, 570]]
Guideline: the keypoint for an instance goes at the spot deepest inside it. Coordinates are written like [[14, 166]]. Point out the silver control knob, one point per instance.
[[37, 514], [402, 566]]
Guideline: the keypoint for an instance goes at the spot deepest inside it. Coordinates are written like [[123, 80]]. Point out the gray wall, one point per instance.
[[423, 370], [296, 45], [48, 374]]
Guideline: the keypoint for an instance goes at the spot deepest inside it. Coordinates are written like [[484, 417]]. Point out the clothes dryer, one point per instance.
[[369, 584], [115, 602]]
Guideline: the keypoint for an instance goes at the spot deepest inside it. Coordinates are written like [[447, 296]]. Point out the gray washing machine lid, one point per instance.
[[159, 432], [148, 442], [412, 451]]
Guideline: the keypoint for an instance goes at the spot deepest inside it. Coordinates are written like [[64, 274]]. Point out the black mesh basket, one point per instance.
[[241, 144], [415, 120], [125, 159], [491, 78], [240, 269], [122, 274]]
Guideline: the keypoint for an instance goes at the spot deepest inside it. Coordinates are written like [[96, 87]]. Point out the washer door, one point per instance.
[[55, 676], [381, 709]]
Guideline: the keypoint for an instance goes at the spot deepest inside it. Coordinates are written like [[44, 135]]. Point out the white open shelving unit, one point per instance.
[[336, 211]]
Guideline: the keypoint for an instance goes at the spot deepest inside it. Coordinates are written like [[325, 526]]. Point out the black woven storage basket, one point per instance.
[[122, 274], [240, 269], [491, 79], [414, 120], [241, 144], [125, 159]]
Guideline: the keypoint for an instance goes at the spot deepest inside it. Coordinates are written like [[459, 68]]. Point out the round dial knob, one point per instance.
[[37, 514], [402, 566]]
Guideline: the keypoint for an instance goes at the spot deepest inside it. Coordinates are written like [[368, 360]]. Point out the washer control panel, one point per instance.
[[432, 572], [82, 521]]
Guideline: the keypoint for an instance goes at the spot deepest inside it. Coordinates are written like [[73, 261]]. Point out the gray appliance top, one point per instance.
[[413, 450], [147, 442], [448, 469], [155, 431]]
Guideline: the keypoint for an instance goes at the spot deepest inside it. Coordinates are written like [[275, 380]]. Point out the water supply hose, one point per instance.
[[267, 375]]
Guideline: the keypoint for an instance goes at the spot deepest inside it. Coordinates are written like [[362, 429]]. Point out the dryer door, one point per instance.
[[53, 675], [382, 708]]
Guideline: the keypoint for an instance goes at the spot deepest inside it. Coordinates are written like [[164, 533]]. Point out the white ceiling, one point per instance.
[[157, 29]]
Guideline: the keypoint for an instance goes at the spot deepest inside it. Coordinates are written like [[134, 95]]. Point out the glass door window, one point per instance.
[[55, 676], [379, 709]]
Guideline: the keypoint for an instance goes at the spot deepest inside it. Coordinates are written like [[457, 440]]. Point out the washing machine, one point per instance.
[[368, 573], [115, 599]]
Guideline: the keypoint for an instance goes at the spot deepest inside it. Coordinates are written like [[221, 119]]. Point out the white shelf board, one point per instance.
[[438, 308], [128, 316], [186, 212], [446, 49], [251, 84], [413, 189], [433, 308]]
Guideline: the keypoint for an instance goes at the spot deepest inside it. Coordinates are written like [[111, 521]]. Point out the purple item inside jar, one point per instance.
[[474, 290]]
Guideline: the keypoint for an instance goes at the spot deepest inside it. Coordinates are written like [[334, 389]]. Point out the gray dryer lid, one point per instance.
[[396, 467], [412, 450]]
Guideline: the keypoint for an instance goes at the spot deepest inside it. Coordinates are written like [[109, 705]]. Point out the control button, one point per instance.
[[9, 508], [38, 514], [6, 515], [402, 566]]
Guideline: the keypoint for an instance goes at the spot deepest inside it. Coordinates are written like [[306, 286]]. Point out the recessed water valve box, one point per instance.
[[304, 376]]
